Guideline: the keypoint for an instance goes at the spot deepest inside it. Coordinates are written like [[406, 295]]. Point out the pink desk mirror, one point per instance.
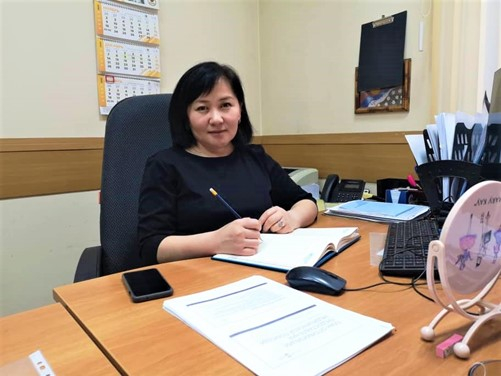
[[468, 259]]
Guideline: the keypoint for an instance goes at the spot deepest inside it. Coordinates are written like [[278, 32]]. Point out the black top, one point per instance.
[[175, 197]]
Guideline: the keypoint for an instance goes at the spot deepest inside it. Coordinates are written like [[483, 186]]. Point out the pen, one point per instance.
[[412, 182], [216, 195]]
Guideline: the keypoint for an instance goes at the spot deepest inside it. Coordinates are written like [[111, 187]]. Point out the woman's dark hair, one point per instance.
[[200, 80]]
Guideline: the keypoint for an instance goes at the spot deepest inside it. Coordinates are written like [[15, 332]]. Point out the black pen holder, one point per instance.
[[450, 176], [458, 176], [491, 171]]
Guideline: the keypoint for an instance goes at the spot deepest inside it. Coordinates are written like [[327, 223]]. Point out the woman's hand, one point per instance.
[[240, 237], [277, 219]]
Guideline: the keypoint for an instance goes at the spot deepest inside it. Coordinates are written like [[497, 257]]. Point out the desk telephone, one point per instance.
[[341, 191]]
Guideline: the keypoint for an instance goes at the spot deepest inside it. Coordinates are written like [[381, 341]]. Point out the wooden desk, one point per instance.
[[63, 343], [144, 339]]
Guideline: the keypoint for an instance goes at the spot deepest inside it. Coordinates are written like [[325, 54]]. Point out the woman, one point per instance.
[[179, 218]]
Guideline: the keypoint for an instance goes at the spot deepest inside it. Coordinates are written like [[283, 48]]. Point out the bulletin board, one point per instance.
[[127, 50]]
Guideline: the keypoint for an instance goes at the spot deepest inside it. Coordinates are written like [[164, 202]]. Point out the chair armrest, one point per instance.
[[89, 265]]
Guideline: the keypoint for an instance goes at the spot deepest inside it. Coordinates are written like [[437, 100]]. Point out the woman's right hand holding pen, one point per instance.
[[239, 237]]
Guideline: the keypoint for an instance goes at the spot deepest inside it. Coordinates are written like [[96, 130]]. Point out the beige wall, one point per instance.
[[49, 62], [222, 30], [48, 69], [309, 51], [296, 60]]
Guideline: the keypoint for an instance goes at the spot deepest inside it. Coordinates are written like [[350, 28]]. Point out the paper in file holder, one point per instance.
[[468, 260]]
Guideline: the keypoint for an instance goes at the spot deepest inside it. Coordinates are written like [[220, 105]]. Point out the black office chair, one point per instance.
[[136, 128]]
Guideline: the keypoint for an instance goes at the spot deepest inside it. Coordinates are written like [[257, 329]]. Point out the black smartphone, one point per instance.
[[144, 285]]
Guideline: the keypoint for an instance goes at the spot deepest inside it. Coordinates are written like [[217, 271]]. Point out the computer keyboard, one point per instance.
[[406, 248]]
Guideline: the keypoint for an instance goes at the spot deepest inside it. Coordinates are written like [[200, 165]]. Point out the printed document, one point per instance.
[[273, 329]]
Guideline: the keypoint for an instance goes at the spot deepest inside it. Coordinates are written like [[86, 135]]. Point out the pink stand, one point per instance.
[[468, 260]]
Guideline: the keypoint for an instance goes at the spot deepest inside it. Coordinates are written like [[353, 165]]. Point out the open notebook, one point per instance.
[[303, 247]]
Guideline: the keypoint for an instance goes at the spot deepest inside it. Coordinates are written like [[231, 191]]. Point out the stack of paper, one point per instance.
[[273, 329], [455, 136], [379, 211], [458, 137]]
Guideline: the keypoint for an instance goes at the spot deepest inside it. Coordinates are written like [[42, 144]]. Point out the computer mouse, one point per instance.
[[310, 278]]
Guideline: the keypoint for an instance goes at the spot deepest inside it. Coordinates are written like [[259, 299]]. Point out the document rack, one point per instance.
[[455, 176], [491, 171], [491, 157]]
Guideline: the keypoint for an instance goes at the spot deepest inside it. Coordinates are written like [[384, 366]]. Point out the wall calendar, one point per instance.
[[127, 50], [118, 21], [153, 4], [112, 89], [125, 58]]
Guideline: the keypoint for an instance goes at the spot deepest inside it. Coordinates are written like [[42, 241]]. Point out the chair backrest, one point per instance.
[[136, 128]]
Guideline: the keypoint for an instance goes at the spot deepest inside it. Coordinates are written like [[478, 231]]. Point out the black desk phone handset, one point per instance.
[[336, 190]]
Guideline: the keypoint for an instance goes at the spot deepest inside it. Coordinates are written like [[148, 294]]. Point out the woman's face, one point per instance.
[[214, 120]]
